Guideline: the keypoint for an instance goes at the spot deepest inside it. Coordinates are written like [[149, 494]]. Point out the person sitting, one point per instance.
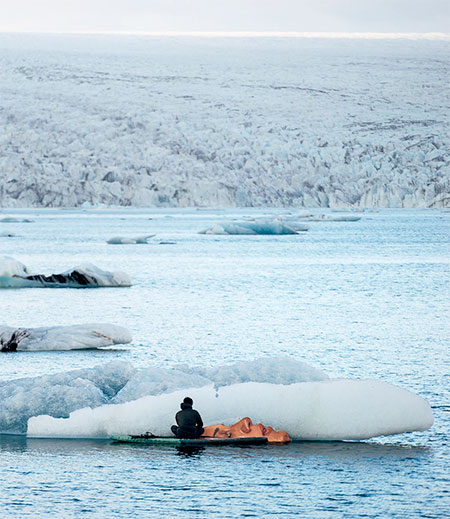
[[189, 421]]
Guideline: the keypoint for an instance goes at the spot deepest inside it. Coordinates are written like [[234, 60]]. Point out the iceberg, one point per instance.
[[326, 410], [291, 395], [13, 219], [14, 274], [62, 337], [120, 240], [331, 218], [271, 227]]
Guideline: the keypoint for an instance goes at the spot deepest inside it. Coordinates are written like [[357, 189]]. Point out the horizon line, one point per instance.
[[247, 34]]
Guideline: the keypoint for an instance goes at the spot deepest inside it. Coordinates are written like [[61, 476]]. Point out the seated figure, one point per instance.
[[189, 421], [245, 428]]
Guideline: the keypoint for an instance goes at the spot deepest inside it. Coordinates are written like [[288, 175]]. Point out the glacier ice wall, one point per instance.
[[223, 122]]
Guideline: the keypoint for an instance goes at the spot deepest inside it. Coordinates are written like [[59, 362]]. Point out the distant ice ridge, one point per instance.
[[62, 337], [274, 122], [256, 226], [121, 240], [14, 274]]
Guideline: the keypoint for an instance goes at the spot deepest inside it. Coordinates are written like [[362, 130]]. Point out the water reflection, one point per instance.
[[338, 450], [189, 452]]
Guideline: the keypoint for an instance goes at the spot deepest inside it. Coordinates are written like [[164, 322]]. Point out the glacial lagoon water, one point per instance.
[[365, 299]]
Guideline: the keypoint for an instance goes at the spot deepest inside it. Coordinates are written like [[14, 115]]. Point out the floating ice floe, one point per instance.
[[117, 398], [272, 227], [120, 240], [327, 410], [74, 337], [331, 218], [14, 274], [13, 219]]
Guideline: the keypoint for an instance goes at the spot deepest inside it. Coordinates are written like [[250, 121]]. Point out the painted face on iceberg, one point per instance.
[[246, 428]]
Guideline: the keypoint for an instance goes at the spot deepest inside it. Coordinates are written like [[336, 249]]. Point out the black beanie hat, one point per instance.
[[188, 400]]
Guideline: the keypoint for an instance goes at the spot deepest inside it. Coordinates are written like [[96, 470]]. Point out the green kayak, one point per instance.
[[198, 442]]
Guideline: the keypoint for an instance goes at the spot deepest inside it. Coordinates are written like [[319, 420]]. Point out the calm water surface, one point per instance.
[[358, 300]]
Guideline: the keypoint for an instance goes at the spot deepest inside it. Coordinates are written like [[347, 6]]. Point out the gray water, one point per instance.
[[358, 300]]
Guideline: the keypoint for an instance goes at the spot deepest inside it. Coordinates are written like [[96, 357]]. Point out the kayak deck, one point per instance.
[[197, 442]]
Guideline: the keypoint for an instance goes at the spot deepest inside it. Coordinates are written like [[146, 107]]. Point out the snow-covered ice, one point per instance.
[[73, 337], [14, 274], [122, 240], [96, 120]]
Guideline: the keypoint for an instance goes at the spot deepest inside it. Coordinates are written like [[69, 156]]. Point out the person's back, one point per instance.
[[190, 423]]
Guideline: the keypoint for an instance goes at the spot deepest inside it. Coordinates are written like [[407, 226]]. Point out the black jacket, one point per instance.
[[189, 422]]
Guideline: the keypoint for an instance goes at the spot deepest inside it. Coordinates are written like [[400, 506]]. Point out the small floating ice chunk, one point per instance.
[[120, 240], [331, 218], [271, 227], [13, 219], [326, 410], [14, 274], [62, 337]]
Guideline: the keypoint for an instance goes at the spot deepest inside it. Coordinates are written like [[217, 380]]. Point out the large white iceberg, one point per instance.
[[14, 274], [62, 337], [256, 226], [327, 410], [282, 392]]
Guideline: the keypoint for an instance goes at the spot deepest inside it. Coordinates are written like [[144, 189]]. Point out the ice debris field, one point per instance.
[[116, 398], [234, 122]]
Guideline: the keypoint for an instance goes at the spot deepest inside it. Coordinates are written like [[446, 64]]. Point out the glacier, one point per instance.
[[231, 122], [289, 394], [14, 274], [54, 338]]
